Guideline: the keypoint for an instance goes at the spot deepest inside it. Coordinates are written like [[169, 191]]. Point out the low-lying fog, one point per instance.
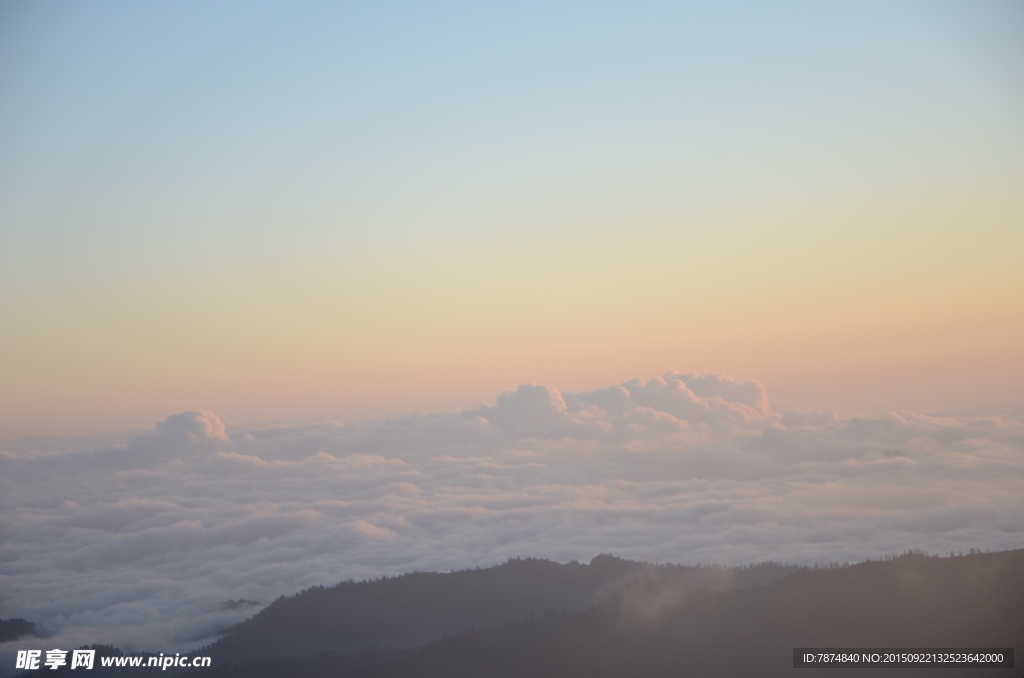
[[141, 545]]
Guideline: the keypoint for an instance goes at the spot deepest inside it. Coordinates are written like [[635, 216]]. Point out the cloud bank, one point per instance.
[[141, 545]]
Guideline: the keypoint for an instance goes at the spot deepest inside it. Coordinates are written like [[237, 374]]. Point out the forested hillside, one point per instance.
[[660, 627], [648, 621], [410, 610]]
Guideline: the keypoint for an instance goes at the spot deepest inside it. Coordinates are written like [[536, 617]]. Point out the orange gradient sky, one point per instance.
[[334, 213]]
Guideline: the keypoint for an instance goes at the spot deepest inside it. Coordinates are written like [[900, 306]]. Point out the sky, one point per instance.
[[299, 211]]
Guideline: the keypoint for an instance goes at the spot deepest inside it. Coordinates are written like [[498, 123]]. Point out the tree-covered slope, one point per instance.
[[662, 627], [410, 610]]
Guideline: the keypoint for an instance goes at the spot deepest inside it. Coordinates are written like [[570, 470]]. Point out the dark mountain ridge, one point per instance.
[[660, 627], [410, 610], [12, 629]]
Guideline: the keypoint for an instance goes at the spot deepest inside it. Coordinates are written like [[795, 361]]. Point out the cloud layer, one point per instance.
[[140, 545]]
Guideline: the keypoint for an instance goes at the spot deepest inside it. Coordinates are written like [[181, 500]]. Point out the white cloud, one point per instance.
[[138, 545]]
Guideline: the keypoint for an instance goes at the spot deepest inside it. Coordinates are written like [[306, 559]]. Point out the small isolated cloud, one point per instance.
[[192, 427], [140, 544]]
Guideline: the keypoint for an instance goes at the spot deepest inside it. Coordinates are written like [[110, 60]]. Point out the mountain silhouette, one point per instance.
[[658, 626], [410, 610], [642, 621]]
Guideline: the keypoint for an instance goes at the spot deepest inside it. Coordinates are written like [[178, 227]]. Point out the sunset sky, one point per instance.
[[289, 211]]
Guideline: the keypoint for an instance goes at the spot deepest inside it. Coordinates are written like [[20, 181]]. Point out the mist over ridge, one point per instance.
[[409, 610]]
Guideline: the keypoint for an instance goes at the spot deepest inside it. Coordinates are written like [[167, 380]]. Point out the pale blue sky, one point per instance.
[[440, 110]]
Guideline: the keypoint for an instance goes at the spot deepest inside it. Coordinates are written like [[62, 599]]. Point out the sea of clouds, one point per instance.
[[140, 545]]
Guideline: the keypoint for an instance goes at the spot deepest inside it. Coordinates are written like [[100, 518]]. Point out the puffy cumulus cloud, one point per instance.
[[194, 427], [712, 397], [530, 409], [140, 544], [672, 402], [188, 435]]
